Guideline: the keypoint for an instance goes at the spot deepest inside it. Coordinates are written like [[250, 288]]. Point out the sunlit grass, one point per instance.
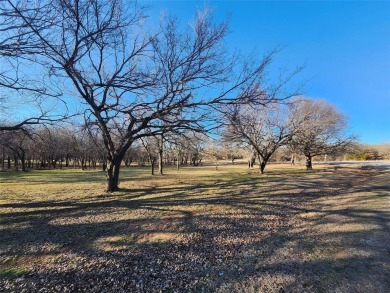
[[12, 272], [76, 214]]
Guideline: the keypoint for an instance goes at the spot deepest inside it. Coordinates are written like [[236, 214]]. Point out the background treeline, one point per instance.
[[54, 147], [75, 147], [365, 152]]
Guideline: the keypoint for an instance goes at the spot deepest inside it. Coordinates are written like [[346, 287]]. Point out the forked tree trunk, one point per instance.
[[262, 163], [113, 174]]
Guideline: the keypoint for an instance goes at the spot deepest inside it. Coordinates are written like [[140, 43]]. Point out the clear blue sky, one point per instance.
[[344, 44]]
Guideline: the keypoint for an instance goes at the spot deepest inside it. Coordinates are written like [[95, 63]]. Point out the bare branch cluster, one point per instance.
[[320, 129]]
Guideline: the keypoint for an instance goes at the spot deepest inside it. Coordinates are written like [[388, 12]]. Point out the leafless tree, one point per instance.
[[262, 128], [17, 142], [320, 129], [149, 144]]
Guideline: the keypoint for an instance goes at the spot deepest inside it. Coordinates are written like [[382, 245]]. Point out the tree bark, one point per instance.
[[152, 162], [23, 160], [160, 156], [3, 161], [16, 165], [309, 165], [292, 159], [113, 174], [262, 166]]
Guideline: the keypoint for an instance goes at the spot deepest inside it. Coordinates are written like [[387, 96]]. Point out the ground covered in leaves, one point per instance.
[[197, 230]]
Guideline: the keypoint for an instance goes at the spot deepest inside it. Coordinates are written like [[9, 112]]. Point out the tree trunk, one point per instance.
[[309, 165], [292, 159], [3, 161], [113, 174], [104, 164], [160, 160], [251, 162], [152, 162], [16, 165], [262, 166], [262, 163], [23, 160]]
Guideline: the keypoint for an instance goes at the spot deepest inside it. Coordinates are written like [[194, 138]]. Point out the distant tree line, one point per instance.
[[60, 147], [278, 131], [369, 152]]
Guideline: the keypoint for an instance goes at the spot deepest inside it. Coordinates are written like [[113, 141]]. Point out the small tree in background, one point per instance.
[[319, 129], [262, 128]]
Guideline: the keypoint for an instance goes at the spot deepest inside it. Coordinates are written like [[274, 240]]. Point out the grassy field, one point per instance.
[[197, 230]]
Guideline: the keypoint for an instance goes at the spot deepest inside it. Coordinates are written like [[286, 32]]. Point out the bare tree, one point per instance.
[[262, 128], [149, 144], [320, 129], [17, 142]]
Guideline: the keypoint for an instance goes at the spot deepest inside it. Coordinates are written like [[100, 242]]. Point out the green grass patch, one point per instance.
[[12, 272]]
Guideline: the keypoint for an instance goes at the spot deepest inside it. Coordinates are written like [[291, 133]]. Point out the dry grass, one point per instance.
[[199, 229]]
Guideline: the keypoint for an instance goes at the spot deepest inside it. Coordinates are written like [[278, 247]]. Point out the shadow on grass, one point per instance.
[[206, 236], [70, 175]]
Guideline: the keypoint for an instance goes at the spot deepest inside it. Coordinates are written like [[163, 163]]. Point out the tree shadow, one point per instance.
[[285, 234]]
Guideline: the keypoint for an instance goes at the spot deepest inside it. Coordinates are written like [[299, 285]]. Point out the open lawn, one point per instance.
[[197, 230]]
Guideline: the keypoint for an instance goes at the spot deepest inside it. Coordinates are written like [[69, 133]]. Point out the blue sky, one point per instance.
[[344, 44]]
